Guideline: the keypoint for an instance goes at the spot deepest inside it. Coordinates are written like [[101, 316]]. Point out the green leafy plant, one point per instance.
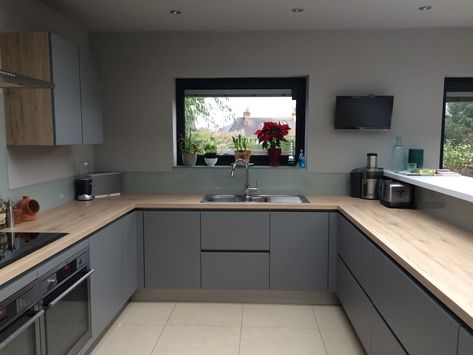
[[210, 148], [188, 144], [457, 156], [240, 143]]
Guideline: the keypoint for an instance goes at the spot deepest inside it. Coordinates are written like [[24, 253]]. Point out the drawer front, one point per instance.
[[230, 230], [356, 251], [383, 341], [465, 342], [419, 322], [230, 270], [356, 304]]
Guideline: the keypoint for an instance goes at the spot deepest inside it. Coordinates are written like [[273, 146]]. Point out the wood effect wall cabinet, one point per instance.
[[68, 114]]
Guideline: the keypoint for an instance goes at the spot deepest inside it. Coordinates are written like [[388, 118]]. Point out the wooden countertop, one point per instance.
[[436, 253]]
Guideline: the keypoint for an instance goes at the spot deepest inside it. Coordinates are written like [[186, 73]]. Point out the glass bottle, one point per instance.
[[397, 158], [291, 159], [301, 161]]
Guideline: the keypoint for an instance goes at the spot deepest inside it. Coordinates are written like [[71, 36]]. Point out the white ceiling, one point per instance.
[[241, 15]]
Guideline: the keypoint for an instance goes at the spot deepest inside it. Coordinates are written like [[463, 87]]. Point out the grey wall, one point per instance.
[[139, 70], [42, 172]]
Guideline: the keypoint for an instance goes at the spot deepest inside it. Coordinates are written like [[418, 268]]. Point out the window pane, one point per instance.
[[222, 117], [458, 133]]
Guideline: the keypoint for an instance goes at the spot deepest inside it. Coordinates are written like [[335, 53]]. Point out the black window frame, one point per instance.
[[298, 85], [452, 85]]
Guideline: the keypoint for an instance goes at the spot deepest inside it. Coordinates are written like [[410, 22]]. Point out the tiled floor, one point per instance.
[[160, 328]]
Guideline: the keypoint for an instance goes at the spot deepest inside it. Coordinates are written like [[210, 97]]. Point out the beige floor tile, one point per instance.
[[339, 342], [228, 314], [281, 341], [146, 313], [331, 317], [124, 339], [198, 340], [269, 315]]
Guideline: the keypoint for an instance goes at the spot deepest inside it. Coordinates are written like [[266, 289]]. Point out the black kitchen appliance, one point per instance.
[[396, 194], [356, 176], [84, 189], [14, 246], [371, 177]]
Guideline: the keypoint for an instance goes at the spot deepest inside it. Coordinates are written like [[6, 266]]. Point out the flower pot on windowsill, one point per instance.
[[243, 154], [274, 156], [189, 159], [210, 159]]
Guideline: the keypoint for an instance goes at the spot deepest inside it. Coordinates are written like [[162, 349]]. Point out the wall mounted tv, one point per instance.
[[363, 112]]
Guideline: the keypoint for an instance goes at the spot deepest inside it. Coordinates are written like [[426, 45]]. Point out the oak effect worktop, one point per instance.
[[437, 254]]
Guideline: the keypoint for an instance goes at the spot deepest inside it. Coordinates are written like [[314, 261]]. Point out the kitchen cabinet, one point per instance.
[[465, 342], [68, 114], [106, 288], [299, 251], [235, 270], [383, 341], [130, 241], [172, 249]]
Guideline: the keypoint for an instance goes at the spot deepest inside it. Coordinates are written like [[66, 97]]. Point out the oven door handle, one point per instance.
[[70, 289], [21, 329]]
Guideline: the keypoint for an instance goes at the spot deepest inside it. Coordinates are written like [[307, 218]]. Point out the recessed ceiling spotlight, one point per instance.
[[175, 12], [297, 10], [425, 8]]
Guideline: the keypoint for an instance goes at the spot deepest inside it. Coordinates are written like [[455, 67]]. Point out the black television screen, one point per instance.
[[363, 112]]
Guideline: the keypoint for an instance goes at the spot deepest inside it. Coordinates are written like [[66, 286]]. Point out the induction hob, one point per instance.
[[14, 246]]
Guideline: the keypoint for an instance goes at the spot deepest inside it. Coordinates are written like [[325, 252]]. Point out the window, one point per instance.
[[457, 132], [215, 110]]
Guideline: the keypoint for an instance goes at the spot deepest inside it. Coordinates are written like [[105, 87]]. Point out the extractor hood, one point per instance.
[[13, 80]]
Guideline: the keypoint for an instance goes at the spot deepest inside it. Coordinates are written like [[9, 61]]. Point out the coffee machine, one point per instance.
[[83, 183], [371, 177]]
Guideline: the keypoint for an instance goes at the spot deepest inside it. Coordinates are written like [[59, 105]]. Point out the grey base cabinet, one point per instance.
[[172, 249], [235, 270], [383, 341], [299, 251], [130, 260], [465, 342]]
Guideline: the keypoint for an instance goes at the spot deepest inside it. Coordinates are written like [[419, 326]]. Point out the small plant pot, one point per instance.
[[243, 154], [189, 159], [210, 161]]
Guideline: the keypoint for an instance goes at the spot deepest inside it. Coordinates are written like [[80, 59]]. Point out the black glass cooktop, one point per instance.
[[14, 246]]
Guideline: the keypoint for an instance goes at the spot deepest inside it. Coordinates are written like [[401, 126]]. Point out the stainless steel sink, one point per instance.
[[255, 199]]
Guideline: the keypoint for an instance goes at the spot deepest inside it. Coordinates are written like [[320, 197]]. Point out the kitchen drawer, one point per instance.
[[383, 341], [230, 230], [355, 303], [235, 270], [465, 342], [421, 324], [356, 251]]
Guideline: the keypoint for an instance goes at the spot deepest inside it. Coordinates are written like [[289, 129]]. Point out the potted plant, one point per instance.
[[189, 149], [241, 148], [210, 152], [271, 136]]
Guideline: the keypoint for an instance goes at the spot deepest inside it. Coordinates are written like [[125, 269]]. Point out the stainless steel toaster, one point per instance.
[[395, 194]]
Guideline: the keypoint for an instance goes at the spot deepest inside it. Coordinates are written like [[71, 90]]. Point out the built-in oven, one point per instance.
[[20, 323], [66, 300]]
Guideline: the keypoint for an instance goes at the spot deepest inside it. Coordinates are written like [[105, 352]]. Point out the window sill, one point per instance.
[[456, 186], [228, 166]]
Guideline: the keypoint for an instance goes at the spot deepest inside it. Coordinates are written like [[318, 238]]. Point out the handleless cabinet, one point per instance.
[[130, 260], [465, 342]]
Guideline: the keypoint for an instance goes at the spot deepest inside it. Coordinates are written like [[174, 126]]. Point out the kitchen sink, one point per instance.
[[255, 199]]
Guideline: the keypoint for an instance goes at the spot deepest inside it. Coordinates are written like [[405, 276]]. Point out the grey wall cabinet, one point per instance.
[[299, 251], [106, 288], [465, 342], [235, 270], [172, 249], [66, 94], [235, 230], [91, 100], [130, 242]]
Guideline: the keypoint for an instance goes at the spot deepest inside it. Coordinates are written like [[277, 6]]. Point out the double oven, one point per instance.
[[50, 316]]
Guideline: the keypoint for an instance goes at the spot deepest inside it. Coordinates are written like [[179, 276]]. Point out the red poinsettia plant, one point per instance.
[[272, 134]]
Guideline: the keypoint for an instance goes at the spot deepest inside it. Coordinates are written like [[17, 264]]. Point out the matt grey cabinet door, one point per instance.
[[140, 238], [235, 270], [106, 291], [235, 230], [91, 100], [419, 322], [383, 341], [172, 249], [355, 303], [299, 251], [332, 250], [66, 92], [356, 251], [129, 255], [465, 342]]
